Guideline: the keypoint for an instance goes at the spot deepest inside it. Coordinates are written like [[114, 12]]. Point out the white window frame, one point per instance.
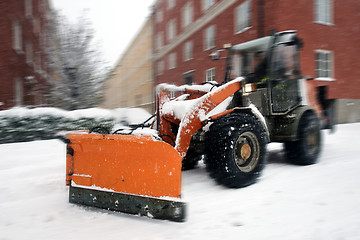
[[17, 36], [210, 37], [210, 75], [172, 61], [159, 40], [188, 50], [28, 9], [237, 65], [206, 4], [159, 16], [171, 30], [171, 4], [324, 68], [242, 15], [323, 12], [187, 14]]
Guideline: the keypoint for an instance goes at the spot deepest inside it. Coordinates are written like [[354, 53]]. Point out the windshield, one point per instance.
[[284, 58], [284, 75], [242, 63], [245, 57]]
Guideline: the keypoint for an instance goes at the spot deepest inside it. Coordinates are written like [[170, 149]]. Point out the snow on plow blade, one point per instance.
[[126, 173]]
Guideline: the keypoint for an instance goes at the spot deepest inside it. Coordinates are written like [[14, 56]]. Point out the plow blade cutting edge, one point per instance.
[[126, 173]]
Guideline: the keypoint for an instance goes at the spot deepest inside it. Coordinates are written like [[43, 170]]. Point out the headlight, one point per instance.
[[250, 87]]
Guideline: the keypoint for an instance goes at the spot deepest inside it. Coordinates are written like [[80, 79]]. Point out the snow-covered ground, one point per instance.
[[321, 201]]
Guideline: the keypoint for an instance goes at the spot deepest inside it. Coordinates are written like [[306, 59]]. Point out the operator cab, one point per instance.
[[284, 72], [272, 64]]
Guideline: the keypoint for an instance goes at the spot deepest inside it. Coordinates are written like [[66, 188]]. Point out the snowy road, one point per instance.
[[321, 201]]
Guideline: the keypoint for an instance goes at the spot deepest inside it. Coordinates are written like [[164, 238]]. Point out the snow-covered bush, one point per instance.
[[23, 124]]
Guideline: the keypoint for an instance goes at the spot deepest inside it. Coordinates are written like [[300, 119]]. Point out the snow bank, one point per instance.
[[24, 124], [26, 112], [129, 115], [319, 201]]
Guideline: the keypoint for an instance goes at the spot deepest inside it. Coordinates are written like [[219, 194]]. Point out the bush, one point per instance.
[[25, 125]]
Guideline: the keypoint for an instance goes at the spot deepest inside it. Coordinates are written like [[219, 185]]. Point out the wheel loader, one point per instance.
[[228, 125]]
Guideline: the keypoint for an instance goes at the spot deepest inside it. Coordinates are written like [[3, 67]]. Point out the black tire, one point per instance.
[[190, 161], [236, 150], [306, 150], [193, 155]]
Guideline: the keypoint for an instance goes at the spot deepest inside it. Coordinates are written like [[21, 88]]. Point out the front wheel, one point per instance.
[[236, 150], [306, 149]]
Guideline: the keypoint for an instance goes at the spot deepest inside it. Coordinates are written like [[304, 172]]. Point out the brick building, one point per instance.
[[187, 31], [23, 70]]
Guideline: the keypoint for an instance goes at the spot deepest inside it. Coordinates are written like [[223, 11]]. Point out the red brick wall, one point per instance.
[[201, 61], [342, 38], [13, 64]]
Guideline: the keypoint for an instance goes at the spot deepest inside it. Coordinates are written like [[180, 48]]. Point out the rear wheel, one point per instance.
[[236, 150], [306, 149]]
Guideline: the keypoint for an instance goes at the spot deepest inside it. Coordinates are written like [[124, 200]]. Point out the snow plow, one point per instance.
[[228, 125]]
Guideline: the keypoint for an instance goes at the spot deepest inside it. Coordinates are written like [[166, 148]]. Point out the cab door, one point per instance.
[[284, 75]]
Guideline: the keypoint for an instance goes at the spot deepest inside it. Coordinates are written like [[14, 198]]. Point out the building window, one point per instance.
[[18, 92], [206, 4], [171, 30], [243, 17], [28, 8], [188, 78], [324, 65], [209, 37], [37, 62], [188, 50], [237, 62], [187, 14], [159, 16], [160, 68], [171, 4], [210, 75], [17, 36], [36, 23], [29, 53], [159, 40], [323, 11], [172, 61]]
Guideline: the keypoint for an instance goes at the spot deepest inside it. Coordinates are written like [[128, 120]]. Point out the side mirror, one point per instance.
[[298, 42], [216, 54]]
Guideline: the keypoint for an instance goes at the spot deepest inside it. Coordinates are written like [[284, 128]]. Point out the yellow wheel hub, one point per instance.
[[245, 151]]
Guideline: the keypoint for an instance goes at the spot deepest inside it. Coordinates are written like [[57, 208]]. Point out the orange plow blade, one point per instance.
[[126, 173]]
